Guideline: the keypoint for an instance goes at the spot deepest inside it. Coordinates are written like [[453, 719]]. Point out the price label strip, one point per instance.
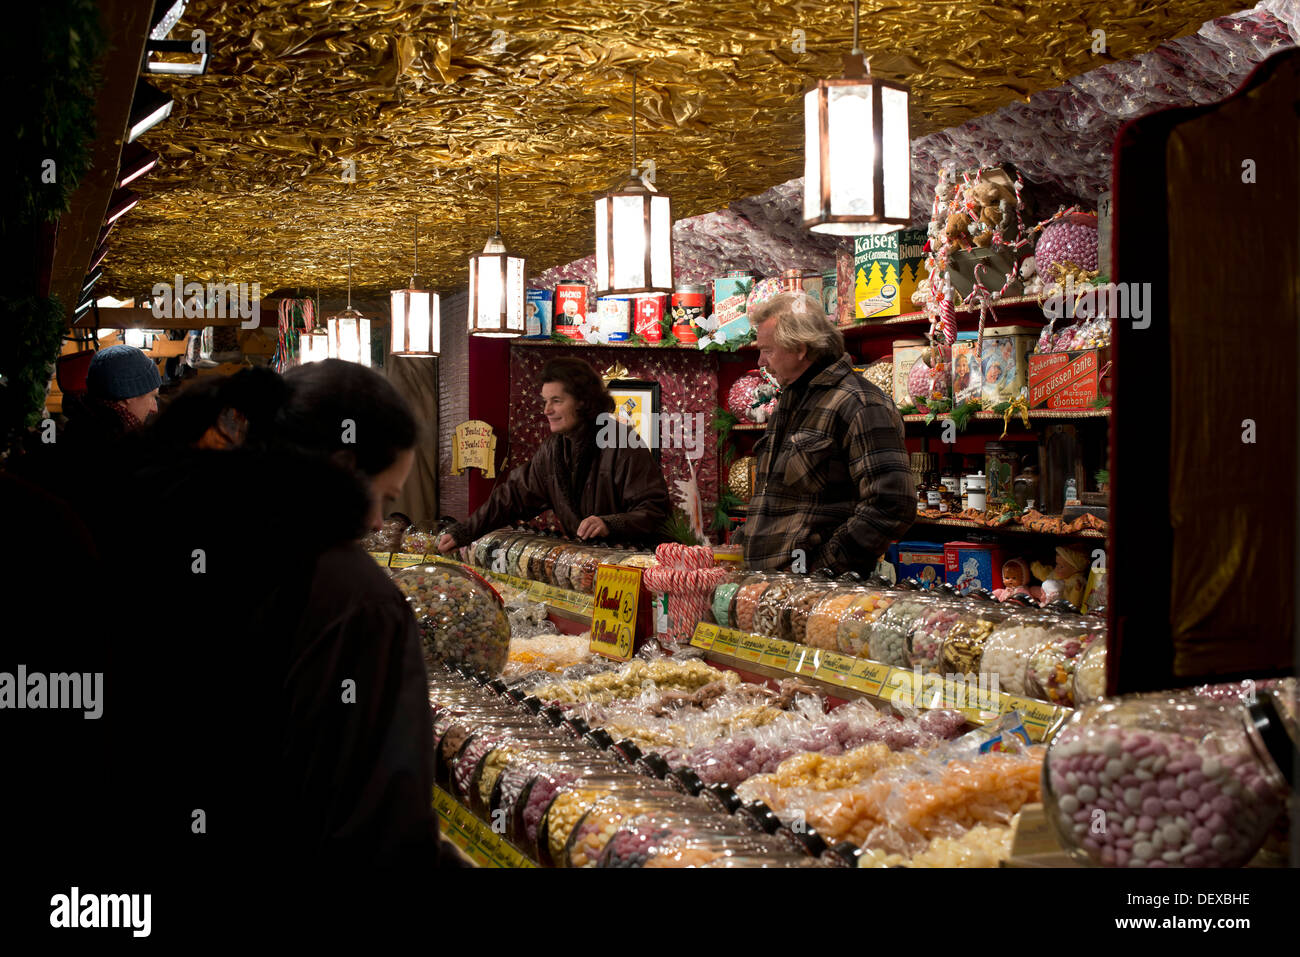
[[381, 557], [776, 653], [834, 668], [704, 636], [405, 560]]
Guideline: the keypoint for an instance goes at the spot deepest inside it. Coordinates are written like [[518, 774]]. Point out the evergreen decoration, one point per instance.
[[48, 151], [678, 528], [1101, 402], [961, 415], [728, 502]]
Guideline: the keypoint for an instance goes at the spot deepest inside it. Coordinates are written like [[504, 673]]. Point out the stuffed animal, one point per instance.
[[957, 232]]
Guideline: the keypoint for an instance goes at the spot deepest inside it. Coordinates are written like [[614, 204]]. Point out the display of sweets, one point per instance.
[[1163, 781], [926, 640], [419, 539], [605, 818], [1050, 670], [388, 538], [631, 679], [771, 604], [981, 846], [854, 632], [744, 604], [963, 646], [461, 619], [547, 653], [1090, 674], [1010, 646], [803, 598], [893, 629], [824, 619], [721, 604]]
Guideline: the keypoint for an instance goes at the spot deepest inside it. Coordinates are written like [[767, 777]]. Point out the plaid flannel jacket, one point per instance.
[[840, 487]]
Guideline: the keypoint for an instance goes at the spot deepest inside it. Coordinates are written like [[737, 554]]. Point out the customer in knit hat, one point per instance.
[[126, 378]]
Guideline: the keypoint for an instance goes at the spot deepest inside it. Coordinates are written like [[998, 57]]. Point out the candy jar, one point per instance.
[[721, 602], [771, 605], [803, 598], [853, 636], [1168, 780], [824, 619], [925, 642], [1050, 669], [604, 819], [744, 604], [461, 617], [964, 644], [513, 552], [1010, 646], [418, 539], [890, 632], [551, 560], [1090, 673]]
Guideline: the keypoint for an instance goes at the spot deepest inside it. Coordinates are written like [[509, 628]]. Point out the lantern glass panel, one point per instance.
[[661, 252], [602, 243], [515, 281], [629, 242], [897, 153], [852, 150], [812, 155], [488, 316], [420, 322], [397, 338]]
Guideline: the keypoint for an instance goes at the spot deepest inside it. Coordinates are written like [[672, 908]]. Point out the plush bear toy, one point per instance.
[[957, 231]]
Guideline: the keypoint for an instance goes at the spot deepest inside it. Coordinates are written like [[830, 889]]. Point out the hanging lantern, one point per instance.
[[634, 227], [417, 316], [857, 152], [313, 346], [497, 281], [349, 331]]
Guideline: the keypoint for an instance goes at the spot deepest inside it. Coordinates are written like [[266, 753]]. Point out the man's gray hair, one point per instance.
[[800, 323]]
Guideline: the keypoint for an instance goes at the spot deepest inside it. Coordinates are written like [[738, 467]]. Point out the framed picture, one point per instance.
[[636, 402]]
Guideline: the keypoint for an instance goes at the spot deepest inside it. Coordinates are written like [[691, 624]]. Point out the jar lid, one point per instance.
[[515, 695], [599, 738], [722, 797], [1270, 722], [497, 685], [627, 751], [759, 815], [843, 854], [578, 727], [553, 715], [532, 703], [686, 781], [806, 840], [654, 765]]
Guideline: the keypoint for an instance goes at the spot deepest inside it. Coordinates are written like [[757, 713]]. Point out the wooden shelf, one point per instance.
[[1006, 529], [1033, 414]]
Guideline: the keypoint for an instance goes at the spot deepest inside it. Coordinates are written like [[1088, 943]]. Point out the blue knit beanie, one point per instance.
[[121, 372]]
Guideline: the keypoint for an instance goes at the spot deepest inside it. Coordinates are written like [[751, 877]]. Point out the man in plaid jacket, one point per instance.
[[834, 485]]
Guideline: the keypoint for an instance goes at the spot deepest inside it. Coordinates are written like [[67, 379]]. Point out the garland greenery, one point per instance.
[[728, 502], [678, 528], [52, 129]]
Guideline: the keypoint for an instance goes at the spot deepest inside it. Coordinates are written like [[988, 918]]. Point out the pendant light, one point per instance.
[[349, 331], [313, 344], [416, 315], [496, 285], [857, 152], [634, 225]]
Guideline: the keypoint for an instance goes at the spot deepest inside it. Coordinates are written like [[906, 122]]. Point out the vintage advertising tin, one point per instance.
[[537, 313], [688, 307], [614, 317], [570, 307], [649, 313]]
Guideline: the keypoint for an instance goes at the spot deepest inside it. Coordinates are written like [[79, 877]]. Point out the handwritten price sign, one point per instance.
[[614, 611]]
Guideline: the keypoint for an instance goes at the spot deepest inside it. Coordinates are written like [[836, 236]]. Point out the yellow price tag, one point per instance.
[[834, 667], [405, 560], [776, 653], [614, 617], [751, 647], [704, 636], [869, 676], [804, 661], [725, 643], [381, 557], [898, 687]]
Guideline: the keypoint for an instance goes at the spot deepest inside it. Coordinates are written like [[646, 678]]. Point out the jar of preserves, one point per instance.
[[1168, 780]]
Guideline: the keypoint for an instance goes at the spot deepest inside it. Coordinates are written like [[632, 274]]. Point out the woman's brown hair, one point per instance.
[[582, 382]]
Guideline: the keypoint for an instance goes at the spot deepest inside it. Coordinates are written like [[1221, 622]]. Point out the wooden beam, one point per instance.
[[128, 317], [126, 28]]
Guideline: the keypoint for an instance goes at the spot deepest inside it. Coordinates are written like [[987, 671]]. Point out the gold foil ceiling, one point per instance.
[[252, 185]]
